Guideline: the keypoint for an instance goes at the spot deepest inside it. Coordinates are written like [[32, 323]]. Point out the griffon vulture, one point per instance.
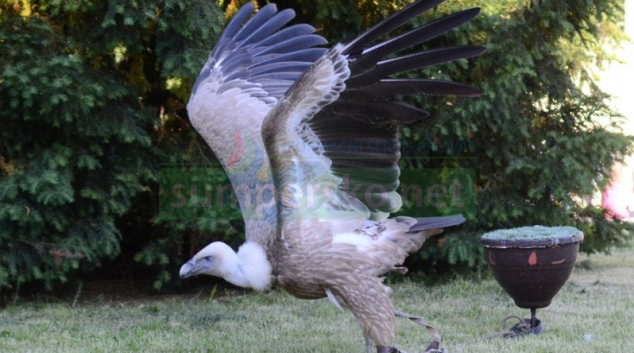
[[275, 110]]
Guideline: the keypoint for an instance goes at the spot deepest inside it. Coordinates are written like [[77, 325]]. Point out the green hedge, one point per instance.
[[92, 102]]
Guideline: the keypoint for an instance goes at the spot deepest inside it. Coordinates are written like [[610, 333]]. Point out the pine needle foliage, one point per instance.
[[93, 96], [544, 134], [80, 115]]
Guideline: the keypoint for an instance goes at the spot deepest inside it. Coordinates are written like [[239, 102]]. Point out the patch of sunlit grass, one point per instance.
[[592, 313]]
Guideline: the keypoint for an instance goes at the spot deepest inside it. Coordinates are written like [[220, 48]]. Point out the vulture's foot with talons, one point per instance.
[[434, 347], [384, 349]]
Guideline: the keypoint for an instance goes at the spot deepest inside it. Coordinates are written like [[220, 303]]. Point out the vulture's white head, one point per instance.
[[249, 268]]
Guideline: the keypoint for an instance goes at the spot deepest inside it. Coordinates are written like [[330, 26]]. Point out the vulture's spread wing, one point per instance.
[[258, 57], [253, 64], [332, 139]]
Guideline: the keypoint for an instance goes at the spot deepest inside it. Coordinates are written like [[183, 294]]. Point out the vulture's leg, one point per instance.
[[368, 344], [365, 296]]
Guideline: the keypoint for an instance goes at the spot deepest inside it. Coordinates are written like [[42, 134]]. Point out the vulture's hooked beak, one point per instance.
[[188, 269]]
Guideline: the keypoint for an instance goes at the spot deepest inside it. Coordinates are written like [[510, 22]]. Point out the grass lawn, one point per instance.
[[594, 312]]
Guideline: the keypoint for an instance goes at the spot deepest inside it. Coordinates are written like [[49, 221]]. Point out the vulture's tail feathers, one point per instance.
[[429, 223], [421, 229]]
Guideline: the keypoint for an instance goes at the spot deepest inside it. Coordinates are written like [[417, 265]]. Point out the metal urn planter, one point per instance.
[[532, 263]]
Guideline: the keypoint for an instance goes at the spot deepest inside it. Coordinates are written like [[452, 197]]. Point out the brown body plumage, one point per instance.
[[313, 263], [312, 234]]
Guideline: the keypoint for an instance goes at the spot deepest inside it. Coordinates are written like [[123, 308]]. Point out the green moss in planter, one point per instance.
[[534, 232]]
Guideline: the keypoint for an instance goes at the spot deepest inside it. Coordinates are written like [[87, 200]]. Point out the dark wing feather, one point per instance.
[[259, 49], [345, 108], [388, 89], [386, 26], [374, 113], [366, 115], [385, 68], [415, 36]]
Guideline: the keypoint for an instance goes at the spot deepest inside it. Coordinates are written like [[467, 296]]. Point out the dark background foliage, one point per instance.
[[93, 96]]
